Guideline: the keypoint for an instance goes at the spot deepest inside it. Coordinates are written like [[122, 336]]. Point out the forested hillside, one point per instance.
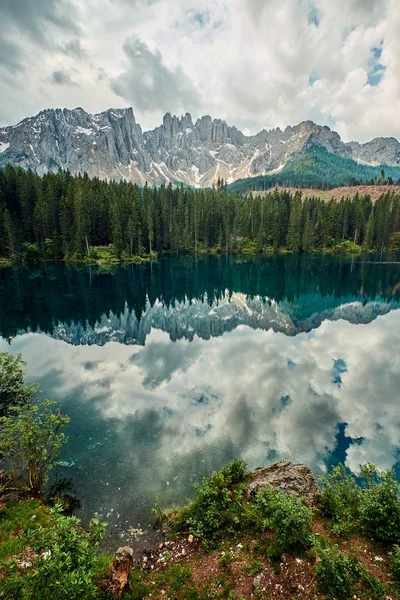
[[317, 168], [60, 216]]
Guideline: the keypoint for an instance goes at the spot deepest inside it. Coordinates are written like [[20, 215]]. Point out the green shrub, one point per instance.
[[253, 568], [340, 499], [287, 516], [335, 574], [395, 563], [65, 563], [373, 508], [31, 251], [218, 508], [338, 574], [380, 505], [226, 559]]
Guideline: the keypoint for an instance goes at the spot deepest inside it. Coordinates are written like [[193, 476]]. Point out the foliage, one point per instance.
[[226, 559], [380, 505], [395, 563], [344, 247], [338, 574], [11, 381], [287, 516], [63, 217], [253, 568], [317, 168], [30, 441], [372, 507], [63, 565], [340, 499], [218, 508]]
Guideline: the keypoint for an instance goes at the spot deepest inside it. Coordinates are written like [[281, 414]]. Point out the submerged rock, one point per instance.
[[286, 478]]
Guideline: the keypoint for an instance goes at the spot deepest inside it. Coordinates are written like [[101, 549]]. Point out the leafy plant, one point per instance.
[[253, 567], [395, 563], [218, 508], [226, 559], [287, 516], [340, 499], [11, 381], [336, 574], [380, 505], [30, 441], [63, 560]]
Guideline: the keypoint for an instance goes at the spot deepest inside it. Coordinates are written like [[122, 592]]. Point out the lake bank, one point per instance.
[[105, 256], [289, 539]]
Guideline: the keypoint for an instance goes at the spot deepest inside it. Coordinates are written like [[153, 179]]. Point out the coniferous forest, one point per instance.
[[60, 216]]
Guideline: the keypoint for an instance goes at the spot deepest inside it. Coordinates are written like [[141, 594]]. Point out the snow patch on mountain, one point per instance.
[[111, 145]]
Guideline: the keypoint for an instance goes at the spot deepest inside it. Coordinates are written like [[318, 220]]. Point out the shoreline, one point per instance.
[[271, 533], [8, 262]]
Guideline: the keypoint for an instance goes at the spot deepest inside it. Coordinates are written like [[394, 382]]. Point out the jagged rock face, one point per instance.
[[286, 478], [111, 145], [379, 151]]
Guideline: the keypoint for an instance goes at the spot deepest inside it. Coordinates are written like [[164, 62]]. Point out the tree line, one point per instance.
[[61, 216]]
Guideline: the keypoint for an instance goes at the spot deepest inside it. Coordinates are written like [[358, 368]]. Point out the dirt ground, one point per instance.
[[349, 191]]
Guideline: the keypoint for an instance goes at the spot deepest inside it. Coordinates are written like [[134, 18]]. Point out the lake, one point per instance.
[[170, 370]]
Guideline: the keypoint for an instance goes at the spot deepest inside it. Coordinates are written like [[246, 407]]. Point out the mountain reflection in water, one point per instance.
[[173, 369]]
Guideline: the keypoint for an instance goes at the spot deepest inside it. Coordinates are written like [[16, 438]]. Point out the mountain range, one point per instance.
[[112, 145], [191, 318]]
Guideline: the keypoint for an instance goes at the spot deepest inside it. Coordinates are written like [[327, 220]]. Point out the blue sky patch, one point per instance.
[[313, 78], [376, 70], [314, 16], [339, 367], [376, 74]]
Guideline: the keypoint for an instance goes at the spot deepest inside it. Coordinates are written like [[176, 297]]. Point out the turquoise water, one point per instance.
[[170, 370]]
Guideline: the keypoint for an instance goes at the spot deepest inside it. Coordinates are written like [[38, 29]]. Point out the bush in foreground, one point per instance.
[[395, 563], [218, 508], [61, 562], [371, 507], [338, 575], [288, 517]]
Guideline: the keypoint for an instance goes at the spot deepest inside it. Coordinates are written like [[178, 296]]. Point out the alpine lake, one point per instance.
[[169, 370]]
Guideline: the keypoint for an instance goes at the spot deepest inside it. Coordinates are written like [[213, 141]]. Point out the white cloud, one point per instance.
[[228, 391], [248, 61]]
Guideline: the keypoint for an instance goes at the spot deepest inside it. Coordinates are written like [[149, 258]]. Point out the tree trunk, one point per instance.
[[121, 568]]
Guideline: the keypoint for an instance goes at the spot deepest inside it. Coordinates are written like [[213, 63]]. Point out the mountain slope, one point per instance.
[[316, 167], [112, 145]]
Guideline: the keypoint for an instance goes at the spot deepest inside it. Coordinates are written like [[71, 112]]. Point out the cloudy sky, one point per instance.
[[255, 63]]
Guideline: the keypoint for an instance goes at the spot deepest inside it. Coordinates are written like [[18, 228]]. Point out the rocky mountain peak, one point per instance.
[[111, 144]]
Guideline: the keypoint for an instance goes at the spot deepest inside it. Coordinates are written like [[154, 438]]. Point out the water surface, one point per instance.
[[170, 370]]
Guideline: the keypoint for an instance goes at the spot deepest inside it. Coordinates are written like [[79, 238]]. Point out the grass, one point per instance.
[[19, 518]]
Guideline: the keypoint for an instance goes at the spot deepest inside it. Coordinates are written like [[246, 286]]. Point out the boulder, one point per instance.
[[121, 568], [286, 478]]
